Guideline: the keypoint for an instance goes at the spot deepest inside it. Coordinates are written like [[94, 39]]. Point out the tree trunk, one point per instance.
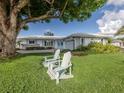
[[10, 26], [8, 44]]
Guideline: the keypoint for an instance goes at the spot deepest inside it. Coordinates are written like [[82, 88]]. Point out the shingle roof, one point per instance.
[[87, 35], [42, 37], [114, 41], [84, 35]]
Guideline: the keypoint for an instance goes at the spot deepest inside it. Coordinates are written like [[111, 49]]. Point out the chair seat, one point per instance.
[[52, 75], [45, 64]]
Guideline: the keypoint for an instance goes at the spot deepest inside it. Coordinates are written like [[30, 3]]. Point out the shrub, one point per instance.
[[100, 48], [82, 48], [95, 47], [35, 48], [49, 48], [38, 48], [109, 40], [65, 50]]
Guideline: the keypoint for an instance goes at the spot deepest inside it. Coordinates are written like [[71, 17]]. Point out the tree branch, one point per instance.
[[42, 17], [51, 2], [64, 7], [29, 11], [20, 5], [48, 1], [2, 15], [15, 11]]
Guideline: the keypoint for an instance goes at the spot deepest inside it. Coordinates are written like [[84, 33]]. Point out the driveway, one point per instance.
[[35, 51]]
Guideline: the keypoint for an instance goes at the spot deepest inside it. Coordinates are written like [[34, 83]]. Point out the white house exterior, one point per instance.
[[62, 42], [118, 43]]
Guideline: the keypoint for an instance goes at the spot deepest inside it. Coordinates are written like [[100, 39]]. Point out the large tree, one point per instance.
[[15, 14]]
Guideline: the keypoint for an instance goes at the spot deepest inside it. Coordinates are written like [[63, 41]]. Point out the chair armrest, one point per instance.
[[62, 68], [47, 57], [49, 60], [51, 64]]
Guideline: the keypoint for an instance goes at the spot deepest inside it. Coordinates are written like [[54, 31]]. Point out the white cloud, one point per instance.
[[111, 22], [47, 30], [116, 2]]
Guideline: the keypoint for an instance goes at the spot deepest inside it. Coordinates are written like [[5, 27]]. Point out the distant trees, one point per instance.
[[48, 34]]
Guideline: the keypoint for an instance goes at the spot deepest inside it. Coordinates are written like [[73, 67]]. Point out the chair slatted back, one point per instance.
[[66, 59], [56, 55]]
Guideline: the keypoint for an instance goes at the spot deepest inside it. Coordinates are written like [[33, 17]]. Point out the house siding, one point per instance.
[[69, 45]]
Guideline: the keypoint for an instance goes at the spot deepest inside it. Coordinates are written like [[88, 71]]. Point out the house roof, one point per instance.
[[115, 41], [85, 35], [41, 37], [119, 37]]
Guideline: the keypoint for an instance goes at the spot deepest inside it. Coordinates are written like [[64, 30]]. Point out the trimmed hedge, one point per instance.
[[65, 50], [38, 48]]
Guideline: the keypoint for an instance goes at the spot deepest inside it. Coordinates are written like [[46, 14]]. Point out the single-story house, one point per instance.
[[62, 42], [118, 43]]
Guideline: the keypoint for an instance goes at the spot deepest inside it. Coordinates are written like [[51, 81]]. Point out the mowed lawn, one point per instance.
[[101, 73]]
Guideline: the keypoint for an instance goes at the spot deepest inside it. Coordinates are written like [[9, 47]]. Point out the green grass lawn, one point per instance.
[[92, 74]]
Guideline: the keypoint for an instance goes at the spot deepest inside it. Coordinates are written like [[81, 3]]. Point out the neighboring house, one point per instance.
[[69, 42], [118, 43]]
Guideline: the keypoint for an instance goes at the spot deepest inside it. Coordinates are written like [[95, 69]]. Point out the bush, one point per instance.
[[38, 48], [49, 48], [65, 50], [35, 48], [96, 48], [100, 48], [82, 48]]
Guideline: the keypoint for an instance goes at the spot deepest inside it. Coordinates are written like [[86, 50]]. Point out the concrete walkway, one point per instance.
[[35, 51]]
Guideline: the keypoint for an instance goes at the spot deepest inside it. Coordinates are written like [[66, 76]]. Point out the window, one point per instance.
[[61, 43], [45, 43], [48, 43], [31, 42], [82, 41], [102, 40], [58, 43]]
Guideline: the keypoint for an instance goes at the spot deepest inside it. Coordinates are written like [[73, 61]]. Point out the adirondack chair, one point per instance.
[[63, 71], [49, 59]]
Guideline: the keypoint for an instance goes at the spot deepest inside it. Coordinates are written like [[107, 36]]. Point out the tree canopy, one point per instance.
[[65, 10], [15, 14]]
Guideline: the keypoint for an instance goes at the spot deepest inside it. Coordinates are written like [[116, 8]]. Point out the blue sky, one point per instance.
[[59, 28]]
